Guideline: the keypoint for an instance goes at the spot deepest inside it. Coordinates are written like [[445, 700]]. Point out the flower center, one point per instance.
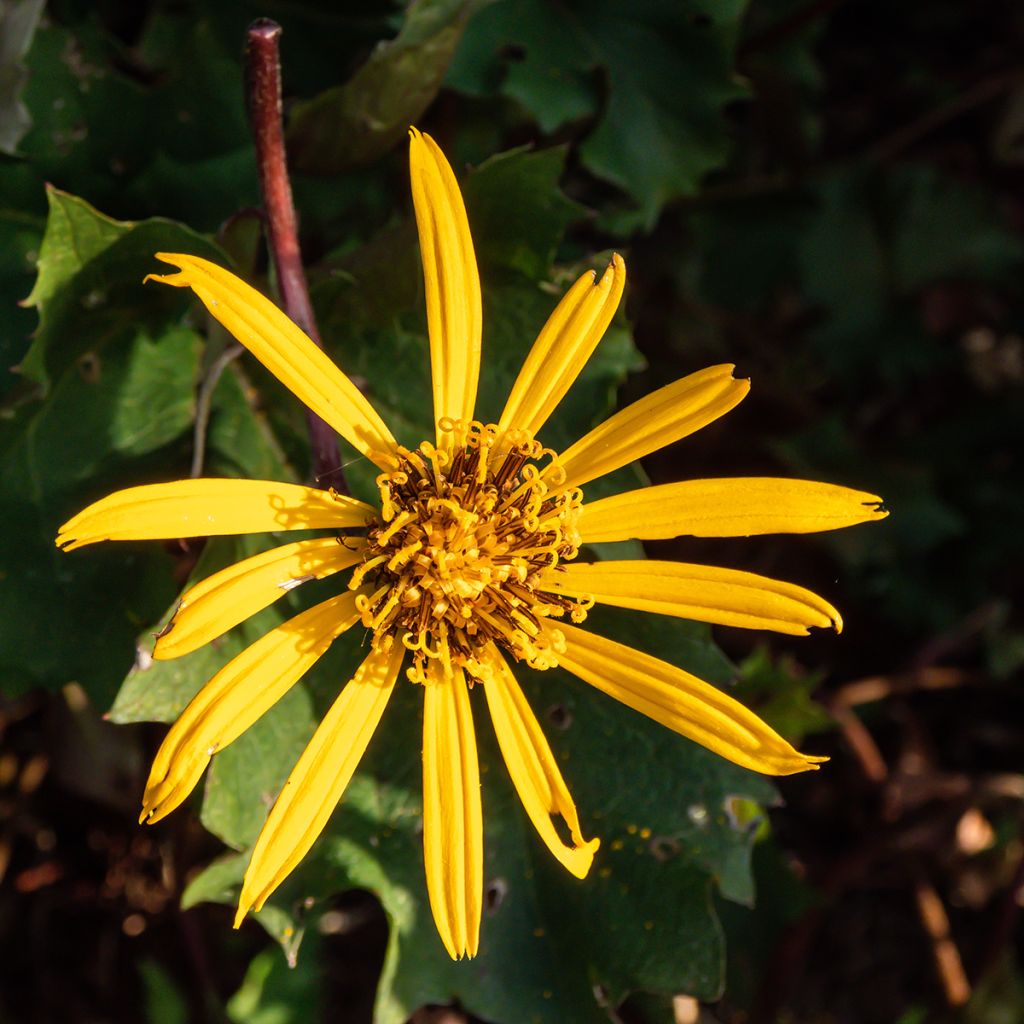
[[467, 533]]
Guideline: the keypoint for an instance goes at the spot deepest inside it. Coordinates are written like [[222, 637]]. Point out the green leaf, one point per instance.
[[129, 397], [22, 219], [274, 992], [171, 138], [785, 695], [87, 118], [75, 234], [354, 123], [75, 616], [668, 70], [18, 21], [164, 1002], [203, 169], [218, 882], [533, 53], [946, 228], [245, 778], [221, 881], [64, 619], [643, 919], [114, 373], [753, 934], [90, 280], [239, 441], [524, 183], [664, 128], [206, 190]]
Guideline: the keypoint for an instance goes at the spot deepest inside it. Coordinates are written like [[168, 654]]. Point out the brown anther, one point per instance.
[[458, 560]]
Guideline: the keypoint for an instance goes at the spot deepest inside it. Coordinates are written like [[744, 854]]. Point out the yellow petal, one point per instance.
[[563, 347], [452, 821], [533, 768], [285, 350], [207, 508], [732, 507], [230, 596], [237, 696], [702, 592], [665, 416], [451, 282], [680, 702], [319, 779]]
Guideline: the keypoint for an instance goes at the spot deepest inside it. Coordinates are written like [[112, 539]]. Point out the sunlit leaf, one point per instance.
[[114, 372]]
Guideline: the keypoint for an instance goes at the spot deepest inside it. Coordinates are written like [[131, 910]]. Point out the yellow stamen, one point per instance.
[[467, 530]]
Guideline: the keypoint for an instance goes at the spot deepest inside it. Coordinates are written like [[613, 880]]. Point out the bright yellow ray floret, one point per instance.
[[469, 563]]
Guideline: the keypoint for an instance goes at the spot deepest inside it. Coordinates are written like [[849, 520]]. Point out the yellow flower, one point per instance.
[[468, 564]]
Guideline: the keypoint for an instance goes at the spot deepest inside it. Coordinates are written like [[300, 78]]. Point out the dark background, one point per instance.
[[854, 241]]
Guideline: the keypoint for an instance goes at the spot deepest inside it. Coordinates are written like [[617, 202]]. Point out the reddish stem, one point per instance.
[[263, 93]]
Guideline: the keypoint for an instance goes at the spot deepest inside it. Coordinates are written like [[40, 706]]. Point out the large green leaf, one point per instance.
[[114, 372], [517, 212], [667, 69], [246, 778], [170, 138], [643, 920], [357, 122], [89, 285], [76, 233], [87, 117]]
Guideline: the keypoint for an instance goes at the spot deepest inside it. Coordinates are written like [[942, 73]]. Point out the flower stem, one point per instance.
[[263, 94]]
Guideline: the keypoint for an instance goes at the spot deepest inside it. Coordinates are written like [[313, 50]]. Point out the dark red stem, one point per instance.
[[263, 93]]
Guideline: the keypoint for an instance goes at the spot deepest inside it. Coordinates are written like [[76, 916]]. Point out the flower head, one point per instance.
[[467, 565]]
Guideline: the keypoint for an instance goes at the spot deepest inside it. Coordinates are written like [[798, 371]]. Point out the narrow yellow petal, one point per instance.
[[285, 350], [563, 347], [237, 696], [319, 778], [702, 592], [230, 596], [680, 702], [451, 282], [533, 768], [207, 508], [665, 416], [452, 819], [731, 507]]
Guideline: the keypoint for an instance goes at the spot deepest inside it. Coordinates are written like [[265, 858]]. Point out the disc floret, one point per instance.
[[468, 530]]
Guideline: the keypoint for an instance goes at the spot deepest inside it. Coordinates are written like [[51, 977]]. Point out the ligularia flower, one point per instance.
[[467, 568]]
